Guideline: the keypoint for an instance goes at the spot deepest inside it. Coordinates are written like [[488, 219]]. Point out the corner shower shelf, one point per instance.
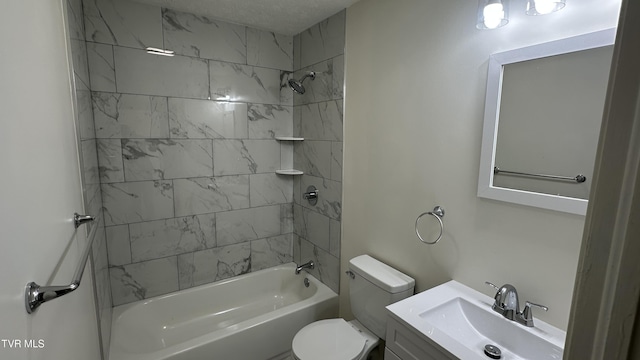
[[289, 138], [290, 172]]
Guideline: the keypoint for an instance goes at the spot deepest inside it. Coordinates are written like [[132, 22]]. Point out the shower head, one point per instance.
[[296, 85]]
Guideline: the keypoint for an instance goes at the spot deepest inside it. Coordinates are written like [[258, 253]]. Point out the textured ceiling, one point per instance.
[[280, 16]]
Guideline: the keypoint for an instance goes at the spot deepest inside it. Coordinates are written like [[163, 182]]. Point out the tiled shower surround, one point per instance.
[[187, 150], [317, 117], [90, 173]]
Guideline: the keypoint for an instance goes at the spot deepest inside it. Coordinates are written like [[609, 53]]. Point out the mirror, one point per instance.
[[543, 110]]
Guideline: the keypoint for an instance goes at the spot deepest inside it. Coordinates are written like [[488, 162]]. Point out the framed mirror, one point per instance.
[[543, 111]]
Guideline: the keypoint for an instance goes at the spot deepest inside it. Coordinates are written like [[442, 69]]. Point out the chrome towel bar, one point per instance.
[[578, 178], [36, 295]]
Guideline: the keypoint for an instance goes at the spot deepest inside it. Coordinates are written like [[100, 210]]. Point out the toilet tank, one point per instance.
[[373, 286]]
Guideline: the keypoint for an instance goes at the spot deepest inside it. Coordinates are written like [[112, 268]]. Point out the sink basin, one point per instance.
[[461, 321]]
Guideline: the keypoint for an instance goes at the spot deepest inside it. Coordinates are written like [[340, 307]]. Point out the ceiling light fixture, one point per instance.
[[543, 7], [492, 14]]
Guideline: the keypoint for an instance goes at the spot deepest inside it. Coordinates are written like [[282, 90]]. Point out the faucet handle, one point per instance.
[[529, 304], [527, 316]]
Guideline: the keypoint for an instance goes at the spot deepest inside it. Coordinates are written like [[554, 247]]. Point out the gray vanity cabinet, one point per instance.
[[406, 343]]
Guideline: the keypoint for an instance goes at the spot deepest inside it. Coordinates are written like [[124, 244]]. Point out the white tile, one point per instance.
[[297, 121], [338, 77], [126, 203], [329, 199], [92, 198], [296, 52], [118, 245], [231, 157], [314, 228], [336, 161], [110, 160], [242, 83], [314, 158], [323, 40], [90, 162], [296, 248], [270, 189], [247, 224], [206, 195], [156, 159], [124, 23], [86, 124], [130, 116], [144, 280], [102, 71], [75, 18], [318, 89], [322, 121], [268, 49], [138, 72], [286, 214], [211, 265], [335, 238], [299, 227], [269, 252], [156, 239], [327, 266], [297, 190], [79, 60], [269, 121], [99, 248], [286, 94], [206, 119], [199, 36]]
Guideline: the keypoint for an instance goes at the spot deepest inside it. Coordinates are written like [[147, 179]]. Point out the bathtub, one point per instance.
[[249, 317]]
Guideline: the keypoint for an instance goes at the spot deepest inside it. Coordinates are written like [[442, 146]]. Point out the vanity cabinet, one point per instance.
[[406, 343]]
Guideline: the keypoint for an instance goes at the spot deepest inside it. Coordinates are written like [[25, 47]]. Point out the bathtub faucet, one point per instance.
[[308, 265]]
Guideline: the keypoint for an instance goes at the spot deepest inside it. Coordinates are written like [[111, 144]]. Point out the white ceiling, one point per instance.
[[288, 17]]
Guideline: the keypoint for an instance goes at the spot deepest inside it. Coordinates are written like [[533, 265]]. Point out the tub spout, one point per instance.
[[308, 265]]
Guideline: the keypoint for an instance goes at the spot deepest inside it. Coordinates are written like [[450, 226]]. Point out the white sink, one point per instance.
[[461, 321]]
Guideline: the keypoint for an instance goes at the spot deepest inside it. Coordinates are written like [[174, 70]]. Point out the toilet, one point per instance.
[[372, 286]]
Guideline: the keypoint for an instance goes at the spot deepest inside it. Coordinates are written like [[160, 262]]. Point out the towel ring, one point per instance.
[[438, 213]]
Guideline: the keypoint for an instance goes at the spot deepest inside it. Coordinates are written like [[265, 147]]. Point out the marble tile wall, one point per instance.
[[90, 170], [318, 117], [186, 146]]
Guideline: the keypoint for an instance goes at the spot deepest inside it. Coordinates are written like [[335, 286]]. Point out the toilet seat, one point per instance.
[[328, 339]]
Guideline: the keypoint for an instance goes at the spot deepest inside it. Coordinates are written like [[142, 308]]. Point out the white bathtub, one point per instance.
[[250, 317]]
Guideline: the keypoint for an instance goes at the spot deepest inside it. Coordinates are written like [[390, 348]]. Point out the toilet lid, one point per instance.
[[328, 339]]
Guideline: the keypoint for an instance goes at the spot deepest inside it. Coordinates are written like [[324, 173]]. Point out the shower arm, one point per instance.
[[311, 74]]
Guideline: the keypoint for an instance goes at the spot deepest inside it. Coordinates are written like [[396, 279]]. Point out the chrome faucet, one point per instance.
[[506, 304], [308, 265]]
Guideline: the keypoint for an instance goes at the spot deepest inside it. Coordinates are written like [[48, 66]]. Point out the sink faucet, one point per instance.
[[506, 304], [308, 265]]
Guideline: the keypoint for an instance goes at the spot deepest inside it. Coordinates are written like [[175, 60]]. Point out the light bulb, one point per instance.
[[493, 15], [545, 6]]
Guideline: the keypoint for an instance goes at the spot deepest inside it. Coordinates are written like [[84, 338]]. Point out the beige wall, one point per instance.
[[414, 102]]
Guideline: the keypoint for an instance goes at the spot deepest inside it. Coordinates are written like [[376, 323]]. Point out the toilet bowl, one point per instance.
[[333, 339], [372, 286]]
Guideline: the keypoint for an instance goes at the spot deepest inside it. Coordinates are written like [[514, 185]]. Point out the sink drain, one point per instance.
[[492, 351]]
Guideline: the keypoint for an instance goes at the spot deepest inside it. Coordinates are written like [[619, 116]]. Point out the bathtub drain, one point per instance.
[[306, 282]]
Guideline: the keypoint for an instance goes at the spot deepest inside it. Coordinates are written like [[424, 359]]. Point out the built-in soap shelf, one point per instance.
[[289, 138], [289, 172]]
